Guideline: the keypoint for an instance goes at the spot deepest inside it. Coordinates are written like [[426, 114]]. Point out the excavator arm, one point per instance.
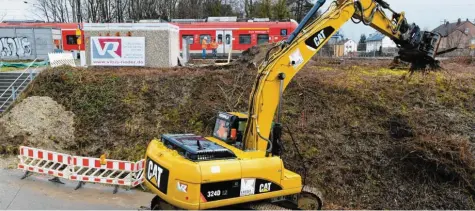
[[276, 72]]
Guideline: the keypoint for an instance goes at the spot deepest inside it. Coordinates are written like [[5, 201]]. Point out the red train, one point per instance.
[[237, 36]]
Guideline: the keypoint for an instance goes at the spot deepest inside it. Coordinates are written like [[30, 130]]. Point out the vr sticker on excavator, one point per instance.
[[316, 40], [157, 175]]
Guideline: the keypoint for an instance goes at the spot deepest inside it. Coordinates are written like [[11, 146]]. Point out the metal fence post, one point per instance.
[[31, 74], [13, 93]]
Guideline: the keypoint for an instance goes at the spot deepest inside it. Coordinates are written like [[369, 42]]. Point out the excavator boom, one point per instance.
[[275, 73]]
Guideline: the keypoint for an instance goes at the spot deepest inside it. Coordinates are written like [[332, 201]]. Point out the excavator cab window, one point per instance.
[[229, 128]]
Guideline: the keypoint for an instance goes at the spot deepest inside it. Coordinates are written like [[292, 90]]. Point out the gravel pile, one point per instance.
[[38, 122]]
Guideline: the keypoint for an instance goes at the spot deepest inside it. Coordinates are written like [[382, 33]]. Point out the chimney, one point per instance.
[[447, 22], [459, 21]]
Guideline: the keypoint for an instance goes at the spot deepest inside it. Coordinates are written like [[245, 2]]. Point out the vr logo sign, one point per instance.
[[107, 48], [117, 51]]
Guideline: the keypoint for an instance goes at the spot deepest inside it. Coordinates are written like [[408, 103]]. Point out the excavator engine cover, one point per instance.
[[196, 148]]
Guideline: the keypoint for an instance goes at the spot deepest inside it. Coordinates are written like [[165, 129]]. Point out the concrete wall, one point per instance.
[[161, 40], [27, 43]]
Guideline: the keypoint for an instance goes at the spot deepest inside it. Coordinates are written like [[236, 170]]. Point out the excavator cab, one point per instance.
[[230, 127]]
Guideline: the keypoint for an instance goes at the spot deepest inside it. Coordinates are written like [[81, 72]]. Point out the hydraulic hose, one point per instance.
[[269, 149]]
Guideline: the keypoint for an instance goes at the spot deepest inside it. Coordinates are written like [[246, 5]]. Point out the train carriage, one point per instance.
[[233, 36]]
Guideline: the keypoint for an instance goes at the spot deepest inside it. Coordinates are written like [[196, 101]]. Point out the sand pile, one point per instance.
[[37, 122]]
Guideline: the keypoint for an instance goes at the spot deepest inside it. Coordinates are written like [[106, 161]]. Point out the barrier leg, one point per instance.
[[27, 174], [56, 180], [116, 189], [80, 184]]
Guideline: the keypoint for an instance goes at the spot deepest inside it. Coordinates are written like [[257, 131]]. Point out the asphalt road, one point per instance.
[[37, 193]]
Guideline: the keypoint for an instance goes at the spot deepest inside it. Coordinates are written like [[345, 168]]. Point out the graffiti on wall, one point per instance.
[[15, 46]]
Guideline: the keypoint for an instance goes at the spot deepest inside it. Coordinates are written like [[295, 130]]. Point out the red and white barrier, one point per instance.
[[114, 172], [44, 162], [81, 169], [139, 174]]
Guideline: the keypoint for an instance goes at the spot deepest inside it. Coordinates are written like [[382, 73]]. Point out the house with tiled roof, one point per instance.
[[377, 41], [456, 35]]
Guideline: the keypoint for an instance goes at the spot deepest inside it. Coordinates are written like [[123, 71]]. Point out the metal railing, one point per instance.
[[11, 88]]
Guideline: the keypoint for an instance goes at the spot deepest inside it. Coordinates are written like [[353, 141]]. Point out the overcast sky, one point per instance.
[[426, 13]]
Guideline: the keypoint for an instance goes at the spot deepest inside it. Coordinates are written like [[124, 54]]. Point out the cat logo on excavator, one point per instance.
[[265, 187], [157, 175]]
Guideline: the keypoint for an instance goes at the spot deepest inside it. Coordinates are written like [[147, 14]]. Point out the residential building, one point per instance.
[[456, 35], [378, 41], [345, 48]]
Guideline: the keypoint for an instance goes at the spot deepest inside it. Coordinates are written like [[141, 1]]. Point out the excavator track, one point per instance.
[[309, 199]]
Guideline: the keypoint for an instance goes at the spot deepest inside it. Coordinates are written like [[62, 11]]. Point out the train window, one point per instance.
[[283, 32], [203, 36], [72, 39], [245, 39], [190, 38], [262, 38], [220, 38], [228, 39]]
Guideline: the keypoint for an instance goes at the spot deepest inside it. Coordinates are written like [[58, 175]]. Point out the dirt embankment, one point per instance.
[[371, 138]]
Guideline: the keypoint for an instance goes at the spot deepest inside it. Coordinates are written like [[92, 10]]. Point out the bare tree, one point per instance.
[[107, 11]]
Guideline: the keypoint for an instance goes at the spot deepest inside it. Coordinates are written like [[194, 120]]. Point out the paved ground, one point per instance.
[[36, 192]]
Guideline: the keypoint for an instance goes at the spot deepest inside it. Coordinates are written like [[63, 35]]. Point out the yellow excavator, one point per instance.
[[239, 166]]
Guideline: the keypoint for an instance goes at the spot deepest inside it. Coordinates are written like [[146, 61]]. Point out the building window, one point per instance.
[[467, 30], [72, 39], [262, 38], [283, 32], [190, 38], [245, 39], [202, 36]]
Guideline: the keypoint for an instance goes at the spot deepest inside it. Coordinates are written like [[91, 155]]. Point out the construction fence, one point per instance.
[[81, 169]]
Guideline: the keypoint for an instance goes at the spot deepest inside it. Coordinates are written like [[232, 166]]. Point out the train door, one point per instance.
[[224, 38]]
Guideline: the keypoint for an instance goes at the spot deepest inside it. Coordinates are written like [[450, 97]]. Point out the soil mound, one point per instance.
[[37, 122]]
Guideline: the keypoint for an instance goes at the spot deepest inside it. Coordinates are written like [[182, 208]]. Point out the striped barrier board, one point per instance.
[[44, 162], [81, 169], [139, 168], [114, 172]]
